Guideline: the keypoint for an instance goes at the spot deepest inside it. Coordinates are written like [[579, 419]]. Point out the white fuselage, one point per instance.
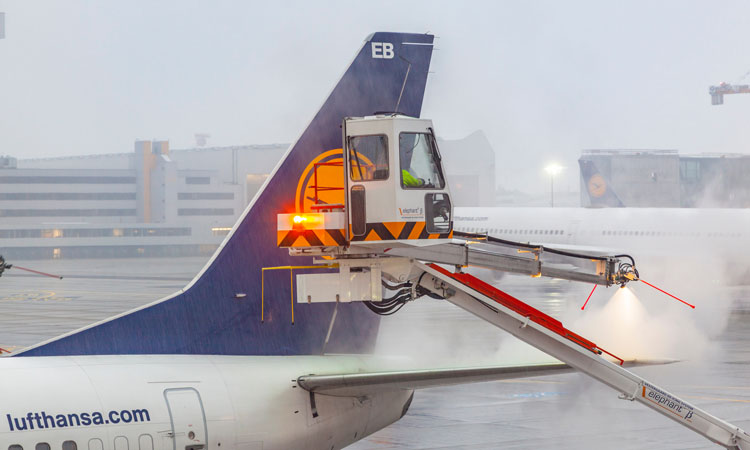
[[182, 402], [648, 234]]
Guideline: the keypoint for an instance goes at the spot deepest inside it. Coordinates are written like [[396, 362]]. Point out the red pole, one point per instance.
[[587, 300], [665, 292], [37, 272]]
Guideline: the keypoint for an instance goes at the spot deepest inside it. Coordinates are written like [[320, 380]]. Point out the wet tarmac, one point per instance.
[[563, 411]]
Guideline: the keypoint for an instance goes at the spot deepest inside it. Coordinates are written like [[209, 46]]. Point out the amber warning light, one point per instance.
[[306, 220], [311, 229]]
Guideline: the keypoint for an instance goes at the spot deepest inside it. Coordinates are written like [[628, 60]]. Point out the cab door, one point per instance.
[[423, 196], [187, 418]]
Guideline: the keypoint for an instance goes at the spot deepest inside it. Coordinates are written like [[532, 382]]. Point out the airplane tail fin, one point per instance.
[[597, 189], [230, 308]]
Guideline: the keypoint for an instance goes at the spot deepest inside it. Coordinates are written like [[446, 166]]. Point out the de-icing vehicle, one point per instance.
[[391, 237]]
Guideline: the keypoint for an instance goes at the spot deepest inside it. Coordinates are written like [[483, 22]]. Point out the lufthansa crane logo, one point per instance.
[[597, 186]]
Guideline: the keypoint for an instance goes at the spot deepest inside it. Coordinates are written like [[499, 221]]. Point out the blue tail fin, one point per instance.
[[207, 317], [595, 187]]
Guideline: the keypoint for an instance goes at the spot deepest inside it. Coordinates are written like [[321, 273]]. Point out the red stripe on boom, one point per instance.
[[521, 308]]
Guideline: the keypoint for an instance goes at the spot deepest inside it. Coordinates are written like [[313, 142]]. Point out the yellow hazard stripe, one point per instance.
[[310, 238], [380, 231], [417, 230]]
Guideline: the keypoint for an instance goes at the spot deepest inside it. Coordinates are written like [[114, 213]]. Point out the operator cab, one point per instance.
[[393, 183], [395, 179]]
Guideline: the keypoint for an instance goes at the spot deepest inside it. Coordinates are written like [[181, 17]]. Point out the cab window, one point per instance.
[[368, 157], [419, 158]]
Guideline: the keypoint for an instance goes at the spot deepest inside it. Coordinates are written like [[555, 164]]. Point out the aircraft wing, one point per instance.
[[360, 384]]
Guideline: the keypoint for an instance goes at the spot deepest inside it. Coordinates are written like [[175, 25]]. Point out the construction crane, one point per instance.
[[717, 92]]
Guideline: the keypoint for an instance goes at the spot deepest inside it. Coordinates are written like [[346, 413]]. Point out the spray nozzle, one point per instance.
[[626, 272]]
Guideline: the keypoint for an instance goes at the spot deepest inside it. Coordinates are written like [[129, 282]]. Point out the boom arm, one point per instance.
[[512, 315]]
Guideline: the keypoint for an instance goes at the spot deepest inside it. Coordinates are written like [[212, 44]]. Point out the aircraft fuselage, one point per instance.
[[162, 402]]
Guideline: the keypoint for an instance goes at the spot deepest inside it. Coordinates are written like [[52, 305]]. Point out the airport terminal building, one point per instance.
[[160, 202], [151, 202]]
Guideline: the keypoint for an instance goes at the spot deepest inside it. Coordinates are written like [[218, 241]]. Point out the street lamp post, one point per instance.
[[552, 170]]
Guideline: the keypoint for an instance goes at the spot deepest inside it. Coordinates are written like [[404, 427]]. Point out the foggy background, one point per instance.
[[542, 79]]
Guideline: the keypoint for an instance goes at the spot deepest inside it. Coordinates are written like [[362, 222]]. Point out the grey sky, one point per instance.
[[542, 79]]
